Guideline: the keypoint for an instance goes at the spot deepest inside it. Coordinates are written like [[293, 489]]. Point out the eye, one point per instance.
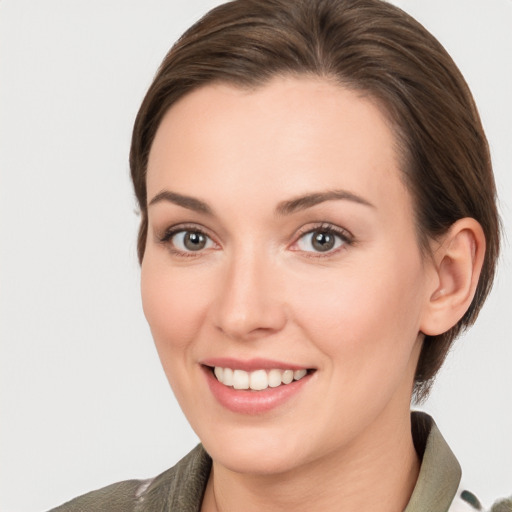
[[322, 240], [187, 240]]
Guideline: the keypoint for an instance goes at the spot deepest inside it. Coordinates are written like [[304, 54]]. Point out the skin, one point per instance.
[[260, 290]]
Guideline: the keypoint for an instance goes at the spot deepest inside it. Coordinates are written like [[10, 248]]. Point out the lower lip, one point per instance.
[[253, 402]]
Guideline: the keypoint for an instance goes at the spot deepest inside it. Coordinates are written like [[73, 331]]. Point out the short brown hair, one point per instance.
[[366, 45]]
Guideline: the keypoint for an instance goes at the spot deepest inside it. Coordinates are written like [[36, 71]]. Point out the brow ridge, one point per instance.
[[307, 201], [191, 203], [287, 207]]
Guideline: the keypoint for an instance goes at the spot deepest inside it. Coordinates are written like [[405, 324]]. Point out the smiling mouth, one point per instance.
[[257, 380]]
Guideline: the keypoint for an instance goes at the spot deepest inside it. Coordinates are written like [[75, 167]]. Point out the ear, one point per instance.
[[456, 265]]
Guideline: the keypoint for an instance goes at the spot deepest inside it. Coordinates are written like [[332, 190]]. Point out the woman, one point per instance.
[[318, 223]]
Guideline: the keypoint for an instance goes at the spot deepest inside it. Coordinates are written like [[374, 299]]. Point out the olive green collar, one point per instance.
[[440, 472]]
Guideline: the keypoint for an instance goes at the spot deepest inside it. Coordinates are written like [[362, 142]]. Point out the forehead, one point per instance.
[[300, 134]]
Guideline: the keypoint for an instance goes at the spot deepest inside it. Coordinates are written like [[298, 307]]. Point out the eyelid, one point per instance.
[[345, 235], [165, 237]]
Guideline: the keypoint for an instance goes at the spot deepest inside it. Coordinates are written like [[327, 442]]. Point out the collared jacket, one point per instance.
[[181, 488]]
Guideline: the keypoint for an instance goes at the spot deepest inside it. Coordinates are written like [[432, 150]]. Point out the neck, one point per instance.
[[377, 472]]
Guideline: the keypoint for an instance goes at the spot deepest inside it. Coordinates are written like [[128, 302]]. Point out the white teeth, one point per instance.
[[257, 380], [274, 378], [240, 379], [219, 373], [227, 377], [298, 374], [287, 376]]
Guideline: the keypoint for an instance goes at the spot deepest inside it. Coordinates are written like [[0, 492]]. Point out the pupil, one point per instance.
[[194, 241], [323, 241]]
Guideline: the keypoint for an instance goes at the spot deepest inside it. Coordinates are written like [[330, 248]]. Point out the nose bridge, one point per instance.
[[248, 302]]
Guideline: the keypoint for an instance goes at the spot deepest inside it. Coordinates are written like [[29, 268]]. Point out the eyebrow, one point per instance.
[[283, 208], [309, 200], [191, 203]]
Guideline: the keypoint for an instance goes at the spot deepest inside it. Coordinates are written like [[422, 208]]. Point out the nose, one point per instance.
[[249, 303]]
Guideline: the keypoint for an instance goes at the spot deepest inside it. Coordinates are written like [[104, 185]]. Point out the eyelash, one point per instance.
[[330, 229], [165, 239], [345, 236]]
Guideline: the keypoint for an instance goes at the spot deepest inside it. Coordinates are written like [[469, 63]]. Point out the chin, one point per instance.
[[257, 453], [255, 462]]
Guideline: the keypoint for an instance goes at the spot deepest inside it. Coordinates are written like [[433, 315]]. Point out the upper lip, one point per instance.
[[250, 365]]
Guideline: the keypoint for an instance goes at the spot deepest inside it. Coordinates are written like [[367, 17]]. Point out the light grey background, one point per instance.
[[83, 399]]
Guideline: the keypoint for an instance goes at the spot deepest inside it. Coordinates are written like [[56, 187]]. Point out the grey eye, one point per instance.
[[191, 241], [319, 241], [322, 241]]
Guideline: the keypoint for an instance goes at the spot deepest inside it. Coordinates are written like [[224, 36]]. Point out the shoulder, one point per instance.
[[119, 497], [181, 486]]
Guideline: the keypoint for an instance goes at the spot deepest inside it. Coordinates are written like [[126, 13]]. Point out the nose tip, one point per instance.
[[248, 303], [239, 323]]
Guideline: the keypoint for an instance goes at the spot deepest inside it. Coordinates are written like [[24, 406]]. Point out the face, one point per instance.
[[282, 255]]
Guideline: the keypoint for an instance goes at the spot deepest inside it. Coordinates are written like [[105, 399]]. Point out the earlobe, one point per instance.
[[457, 264]]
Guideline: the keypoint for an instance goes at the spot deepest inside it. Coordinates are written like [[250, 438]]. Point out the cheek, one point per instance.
[[173, 307], [366, 318], [172, 304]]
